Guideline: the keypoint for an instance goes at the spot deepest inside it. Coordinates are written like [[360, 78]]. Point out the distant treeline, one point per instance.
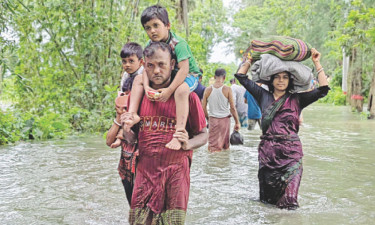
[[60, 66]]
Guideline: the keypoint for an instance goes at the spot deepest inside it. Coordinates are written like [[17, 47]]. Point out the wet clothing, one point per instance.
[[218, 104], [182, 51], [126, 167], [251, 123], [280, 150], [219, 120], [127, 164], [253, 110], [219, 134], [162, 183], [243, 119], [239, 100]]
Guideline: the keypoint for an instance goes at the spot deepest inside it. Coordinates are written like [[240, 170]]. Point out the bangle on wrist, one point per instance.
[[320, 70], [246, 62], [117, 123]]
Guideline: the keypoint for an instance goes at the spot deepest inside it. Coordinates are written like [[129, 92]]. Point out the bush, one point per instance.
[[335, 96], [15, 126], [8, 128]]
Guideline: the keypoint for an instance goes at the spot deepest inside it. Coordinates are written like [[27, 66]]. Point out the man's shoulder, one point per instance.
[[227, 90], [209, 88], [226, 87]]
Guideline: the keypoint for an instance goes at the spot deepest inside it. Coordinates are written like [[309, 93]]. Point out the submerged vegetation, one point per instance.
[[60, 66]]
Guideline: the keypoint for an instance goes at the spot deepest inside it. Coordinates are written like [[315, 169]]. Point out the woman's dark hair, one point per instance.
[[131, 48], [290, 84], [154, 46], [154, 12]]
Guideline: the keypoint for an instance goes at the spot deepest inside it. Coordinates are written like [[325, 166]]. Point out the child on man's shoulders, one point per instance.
[[156, 23]]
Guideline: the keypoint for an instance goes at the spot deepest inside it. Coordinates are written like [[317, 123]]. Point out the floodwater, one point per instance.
[[75, 181]]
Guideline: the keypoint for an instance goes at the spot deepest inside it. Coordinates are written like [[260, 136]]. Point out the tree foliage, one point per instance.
[[61, 58], [330, 26], [60, 64]]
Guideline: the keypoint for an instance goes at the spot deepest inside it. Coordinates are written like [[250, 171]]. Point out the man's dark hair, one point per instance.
[[290, 84], [154, 12], [154, 46], [131, 48], [220, 72]]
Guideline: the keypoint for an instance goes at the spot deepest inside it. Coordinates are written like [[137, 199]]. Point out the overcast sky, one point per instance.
[[221, 52]]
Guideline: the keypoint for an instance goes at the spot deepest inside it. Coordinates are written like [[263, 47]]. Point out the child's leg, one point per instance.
[[181, 97], [118, 139], [116, 143], [135, 99]]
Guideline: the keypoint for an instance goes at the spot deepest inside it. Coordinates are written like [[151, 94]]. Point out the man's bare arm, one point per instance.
[[233, 110], [112, 132], [206, 94], [195, 142]]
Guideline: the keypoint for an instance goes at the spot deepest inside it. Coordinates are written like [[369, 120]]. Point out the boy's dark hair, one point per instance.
[[290, 84], [154, 12], [131, 48], [220, 72], [154, 46]]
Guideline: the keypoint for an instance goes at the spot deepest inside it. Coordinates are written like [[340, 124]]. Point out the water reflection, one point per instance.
[[75, 181]]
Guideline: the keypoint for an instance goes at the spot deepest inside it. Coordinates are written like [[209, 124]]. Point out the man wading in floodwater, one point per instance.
[[161, 187]]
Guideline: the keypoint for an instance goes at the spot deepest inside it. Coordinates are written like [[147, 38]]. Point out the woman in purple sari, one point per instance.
[[280, 149]]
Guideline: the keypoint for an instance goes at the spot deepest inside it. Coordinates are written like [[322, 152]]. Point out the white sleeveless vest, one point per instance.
[[218, 104]]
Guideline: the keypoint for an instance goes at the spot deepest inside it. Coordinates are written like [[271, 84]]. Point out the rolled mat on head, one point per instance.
[[285, 48], [268, 65]]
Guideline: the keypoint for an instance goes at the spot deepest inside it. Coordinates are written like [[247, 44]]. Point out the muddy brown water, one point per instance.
[[75, 181]]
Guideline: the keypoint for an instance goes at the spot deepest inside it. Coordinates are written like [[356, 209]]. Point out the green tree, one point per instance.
[[64, 63]]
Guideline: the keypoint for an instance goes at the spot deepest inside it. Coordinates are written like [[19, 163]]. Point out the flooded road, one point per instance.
[[75, 181]]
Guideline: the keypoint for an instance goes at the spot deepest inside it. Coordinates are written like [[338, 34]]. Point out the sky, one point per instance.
[[221, 52]]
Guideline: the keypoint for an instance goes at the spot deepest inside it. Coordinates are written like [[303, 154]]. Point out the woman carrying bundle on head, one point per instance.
[[280, 149]]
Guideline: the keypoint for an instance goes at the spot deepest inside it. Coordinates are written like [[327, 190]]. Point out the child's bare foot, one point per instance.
[[174, 144], [116, 143], [130, 120]]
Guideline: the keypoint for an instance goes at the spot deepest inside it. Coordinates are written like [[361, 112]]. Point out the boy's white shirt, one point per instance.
[[125, 76]]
